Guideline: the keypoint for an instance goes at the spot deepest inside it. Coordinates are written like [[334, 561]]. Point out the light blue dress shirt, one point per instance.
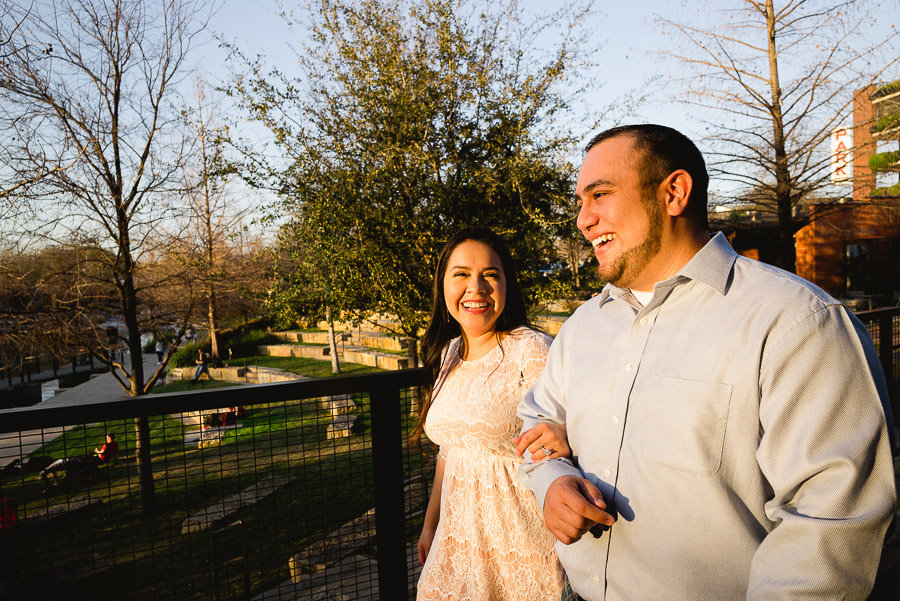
[[736, 427]]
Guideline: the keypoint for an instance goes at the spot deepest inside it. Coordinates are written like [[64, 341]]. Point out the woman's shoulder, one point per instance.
[[527, 337]]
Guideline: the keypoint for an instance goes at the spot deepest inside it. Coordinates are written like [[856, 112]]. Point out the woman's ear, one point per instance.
[[676, 192]]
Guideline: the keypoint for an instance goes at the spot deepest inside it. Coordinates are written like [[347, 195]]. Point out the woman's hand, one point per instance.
[[542, 438], [424, 546]]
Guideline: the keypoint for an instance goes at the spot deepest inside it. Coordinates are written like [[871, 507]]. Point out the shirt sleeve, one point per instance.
[[824, 452], [545, 402]]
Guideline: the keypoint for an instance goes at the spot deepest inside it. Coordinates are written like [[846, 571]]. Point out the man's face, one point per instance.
[[622, 221]]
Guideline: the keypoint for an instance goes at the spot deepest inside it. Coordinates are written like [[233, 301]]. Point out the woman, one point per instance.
[[484, 536]]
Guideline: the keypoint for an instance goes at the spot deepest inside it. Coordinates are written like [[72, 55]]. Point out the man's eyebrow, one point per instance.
[[597, 183]]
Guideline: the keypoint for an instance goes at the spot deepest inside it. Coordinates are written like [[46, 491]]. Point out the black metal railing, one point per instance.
[[235, 493], [226, 493], [884, 327]]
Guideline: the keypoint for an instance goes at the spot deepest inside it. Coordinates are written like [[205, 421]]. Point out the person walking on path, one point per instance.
[[160, 349], [202, 362], [730, 420]]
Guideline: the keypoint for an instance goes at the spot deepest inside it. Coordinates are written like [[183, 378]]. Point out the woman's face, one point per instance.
[[475, 287]]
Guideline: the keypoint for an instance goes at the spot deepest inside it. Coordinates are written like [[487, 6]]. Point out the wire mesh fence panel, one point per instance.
[[248, 499]]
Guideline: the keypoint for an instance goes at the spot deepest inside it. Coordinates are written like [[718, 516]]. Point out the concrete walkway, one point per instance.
[[101, 387]]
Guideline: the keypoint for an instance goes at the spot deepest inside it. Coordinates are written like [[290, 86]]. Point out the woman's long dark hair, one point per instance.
[[443, 327]]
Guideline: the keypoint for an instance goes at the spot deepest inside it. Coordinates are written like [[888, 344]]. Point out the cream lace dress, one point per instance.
[[491, 542]]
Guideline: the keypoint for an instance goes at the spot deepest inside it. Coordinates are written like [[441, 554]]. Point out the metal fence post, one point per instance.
[[390, 527], [886, 352]]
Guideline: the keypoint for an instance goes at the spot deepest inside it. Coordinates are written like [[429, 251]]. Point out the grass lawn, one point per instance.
[[182, 385], [119, 552], [311, 368], [331, 482]]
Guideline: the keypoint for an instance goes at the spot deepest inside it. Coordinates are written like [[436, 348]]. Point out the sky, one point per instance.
[[255, 27], [624, 33]]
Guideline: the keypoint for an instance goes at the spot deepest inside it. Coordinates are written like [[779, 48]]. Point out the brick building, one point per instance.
[[853, 249]]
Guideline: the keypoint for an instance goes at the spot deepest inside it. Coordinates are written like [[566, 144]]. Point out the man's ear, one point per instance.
[[675, 191]]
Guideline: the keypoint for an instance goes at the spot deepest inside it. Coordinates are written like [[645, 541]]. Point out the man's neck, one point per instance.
[[676, 251]]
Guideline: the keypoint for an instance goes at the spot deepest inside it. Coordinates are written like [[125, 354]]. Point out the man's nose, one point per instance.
[[586, 219]]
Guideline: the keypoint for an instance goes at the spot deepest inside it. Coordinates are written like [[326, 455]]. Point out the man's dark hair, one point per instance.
[[662, 151]]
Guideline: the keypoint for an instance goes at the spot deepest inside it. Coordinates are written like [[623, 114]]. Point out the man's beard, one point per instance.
[[632, 262]]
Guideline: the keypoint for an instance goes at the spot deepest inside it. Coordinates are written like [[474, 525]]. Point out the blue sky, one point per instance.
[[623, 31], [624, 28]]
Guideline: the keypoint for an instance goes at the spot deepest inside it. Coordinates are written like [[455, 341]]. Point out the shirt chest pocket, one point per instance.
[[681, 423]]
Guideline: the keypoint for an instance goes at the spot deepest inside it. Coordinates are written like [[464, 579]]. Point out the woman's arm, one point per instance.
[[432, 512]]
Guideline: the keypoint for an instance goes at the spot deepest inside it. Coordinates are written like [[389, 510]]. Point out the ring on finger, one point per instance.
[[547, 452]]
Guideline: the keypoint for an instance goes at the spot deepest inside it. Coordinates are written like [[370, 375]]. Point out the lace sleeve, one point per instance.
[[535, 347]]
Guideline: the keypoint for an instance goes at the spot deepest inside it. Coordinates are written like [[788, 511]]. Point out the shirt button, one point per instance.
[[629, 367], [607, 472], [643, 321], [597, 579], [616, 419]]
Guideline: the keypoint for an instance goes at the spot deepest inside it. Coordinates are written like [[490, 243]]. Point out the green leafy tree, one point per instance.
[[407, 121]]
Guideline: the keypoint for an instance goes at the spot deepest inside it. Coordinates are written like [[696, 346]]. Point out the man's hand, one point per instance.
[[572, 506]]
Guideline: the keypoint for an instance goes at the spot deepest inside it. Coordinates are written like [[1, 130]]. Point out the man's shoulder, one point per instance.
[[776, 288], [587, 308]]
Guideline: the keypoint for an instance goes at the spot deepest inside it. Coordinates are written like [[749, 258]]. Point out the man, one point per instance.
[[202, 365], [727, 419], [73, 465], [109, 452]]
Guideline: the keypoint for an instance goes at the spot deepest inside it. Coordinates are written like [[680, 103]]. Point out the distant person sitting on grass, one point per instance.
[[109, 452], [74, 466], [202, 365]]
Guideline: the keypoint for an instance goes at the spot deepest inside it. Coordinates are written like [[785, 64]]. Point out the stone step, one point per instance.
[[359, 355], [228, 506], [294, 350], [549, 323], [355, 578], [373, 340], [338, 404], [341, 427]]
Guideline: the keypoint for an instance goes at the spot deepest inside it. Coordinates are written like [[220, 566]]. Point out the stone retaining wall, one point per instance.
[[290, 350], [251, 374], [370, 340], [550, 324], [373, 359]]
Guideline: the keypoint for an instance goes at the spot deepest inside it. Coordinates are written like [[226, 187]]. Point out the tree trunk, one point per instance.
[[786, 250], [213, 322], [145, 469], [335, 364]]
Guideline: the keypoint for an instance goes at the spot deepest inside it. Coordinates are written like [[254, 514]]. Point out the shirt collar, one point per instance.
[[711, 265]]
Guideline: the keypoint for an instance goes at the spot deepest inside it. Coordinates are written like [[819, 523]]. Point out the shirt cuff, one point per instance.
[[539, 477]]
